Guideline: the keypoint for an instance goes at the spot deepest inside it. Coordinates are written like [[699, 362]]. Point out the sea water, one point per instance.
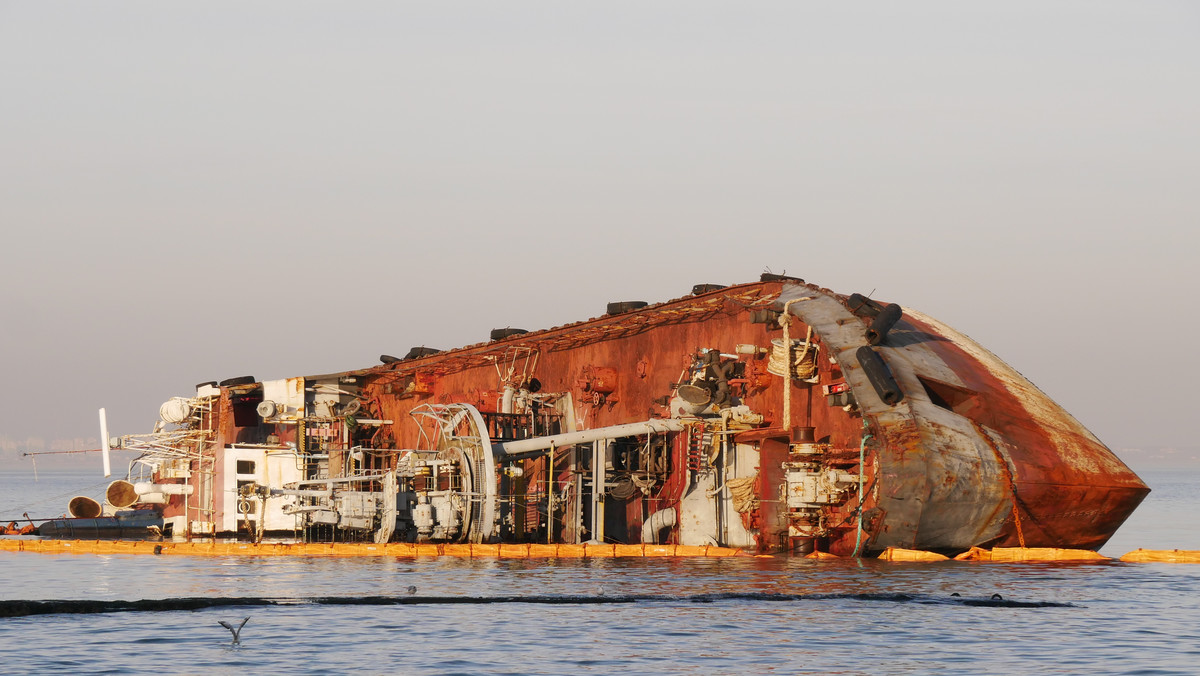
[[706, 616]]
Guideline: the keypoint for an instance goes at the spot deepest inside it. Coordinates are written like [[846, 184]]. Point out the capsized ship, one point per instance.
[[776, 416]]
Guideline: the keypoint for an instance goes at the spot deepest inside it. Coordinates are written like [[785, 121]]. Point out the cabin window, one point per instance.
[[949, 397], [245, 466]]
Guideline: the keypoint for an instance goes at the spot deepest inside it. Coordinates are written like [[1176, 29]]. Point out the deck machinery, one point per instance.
[[776, 416]]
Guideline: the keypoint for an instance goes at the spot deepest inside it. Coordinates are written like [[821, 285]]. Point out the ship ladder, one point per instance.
[[695, 456]]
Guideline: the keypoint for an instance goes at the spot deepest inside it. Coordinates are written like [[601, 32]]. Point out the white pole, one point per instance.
[[534, 444], [104, 443], [598, 482]]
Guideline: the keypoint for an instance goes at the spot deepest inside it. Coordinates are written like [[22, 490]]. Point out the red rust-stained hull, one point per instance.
[[1064, 482], [975, 452], [962, 452]]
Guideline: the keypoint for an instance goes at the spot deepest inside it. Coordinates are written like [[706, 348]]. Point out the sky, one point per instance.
[[197, 191]]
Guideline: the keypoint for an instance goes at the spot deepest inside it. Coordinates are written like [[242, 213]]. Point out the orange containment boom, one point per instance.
[[822, 556], [1029, 555], [1162, 556], [898, 554], [997, 555], [400, 549]]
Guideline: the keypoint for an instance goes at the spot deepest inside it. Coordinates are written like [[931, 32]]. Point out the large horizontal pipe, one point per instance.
[[145, 488], [327, 493], [516, 448], [339, 480]]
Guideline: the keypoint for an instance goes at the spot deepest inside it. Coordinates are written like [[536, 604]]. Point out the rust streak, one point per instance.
[[1012, 486]]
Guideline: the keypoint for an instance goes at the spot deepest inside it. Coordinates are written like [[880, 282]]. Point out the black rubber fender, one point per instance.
[[500, 334], [880, 375], [706, 288], [240, 380], [883, 322], [863, 306], [772, 277], [388, 359], [621, 307], [422, 351], [210, 383]]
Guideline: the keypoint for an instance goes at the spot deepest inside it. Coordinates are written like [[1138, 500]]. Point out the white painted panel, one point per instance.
[[272, 468]]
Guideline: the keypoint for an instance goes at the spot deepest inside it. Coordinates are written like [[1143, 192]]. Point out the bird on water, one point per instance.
[[236, 632]]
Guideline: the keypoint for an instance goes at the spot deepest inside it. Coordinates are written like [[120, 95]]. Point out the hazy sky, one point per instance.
[[195, 191]]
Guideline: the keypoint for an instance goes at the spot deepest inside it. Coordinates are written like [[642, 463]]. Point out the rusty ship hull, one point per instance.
[[774, 416]]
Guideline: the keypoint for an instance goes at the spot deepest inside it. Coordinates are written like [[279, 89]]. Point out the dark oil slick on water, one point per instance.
[[752, 615]]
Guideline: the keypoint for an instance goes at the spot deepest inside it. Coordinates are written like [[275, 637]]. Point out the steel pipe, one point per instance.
[[655, 523], [146, 488], [513, 449]]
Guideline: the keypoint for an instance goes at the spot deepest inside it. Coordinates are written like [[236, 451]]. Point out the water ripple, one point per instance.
[[665, 616]]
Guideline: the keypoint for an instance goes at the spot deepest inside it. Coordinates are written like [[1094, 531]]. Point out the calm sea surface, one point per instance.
[[859, 616]]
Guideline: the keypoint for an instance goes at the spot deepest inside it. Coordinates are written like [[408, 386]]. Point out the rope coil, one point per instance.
[[803, 366]]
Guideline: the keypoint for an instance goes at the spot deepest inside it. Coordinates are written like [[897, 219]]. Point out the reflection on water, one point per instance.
[[1123, 617]]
